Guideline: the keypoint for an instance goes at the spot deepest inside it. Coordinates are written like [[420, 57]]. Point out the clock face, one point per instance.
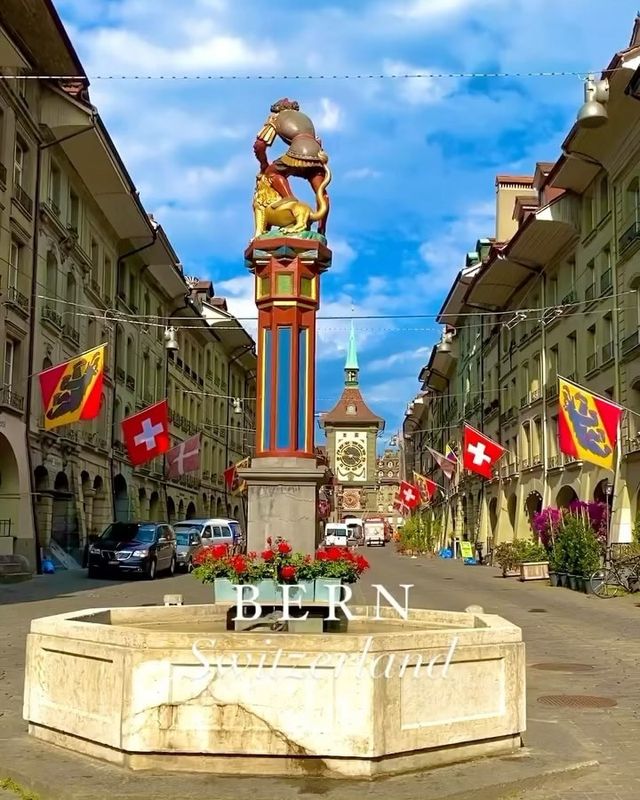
[[351, 456]]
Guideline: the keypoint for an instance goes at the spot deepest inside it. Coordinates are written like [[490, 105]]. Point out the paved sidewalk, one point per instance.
[[559, 627]]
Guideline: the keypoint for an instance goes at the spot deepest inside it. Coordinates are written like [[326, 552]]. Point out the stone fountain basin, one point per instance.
[[127, 685]]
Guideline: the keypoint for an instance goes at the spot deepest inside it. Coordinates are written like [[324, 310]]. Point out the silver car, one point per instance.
[[188, 544]]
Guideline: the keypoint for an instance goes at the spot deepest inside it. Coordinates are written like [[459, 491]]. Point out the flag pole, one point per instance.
[[614, 493]]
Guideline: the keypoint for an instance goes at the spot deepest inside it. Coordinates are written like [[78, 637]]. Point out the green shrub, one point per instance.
[[576, 550]]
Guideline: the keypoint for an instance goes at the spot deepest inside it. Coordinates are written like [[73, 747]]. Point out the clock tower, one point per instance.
[[352, 432]]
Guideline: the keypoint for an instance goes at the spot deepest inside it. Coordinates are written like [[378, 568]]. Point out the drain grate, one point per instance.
[[576, 701], [537, 610], [558, 667]]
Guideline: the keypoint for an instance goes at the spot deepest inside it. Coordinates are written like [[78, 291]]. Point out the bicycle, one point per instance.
[[616, 579]]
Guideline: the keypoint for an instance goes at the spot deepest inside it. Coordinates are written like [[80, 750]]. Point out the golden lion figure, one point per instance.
[[290, 215]]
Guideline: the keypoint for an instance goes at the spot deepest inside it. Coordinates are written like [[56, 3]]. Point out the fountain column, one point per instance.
[[284, 476]]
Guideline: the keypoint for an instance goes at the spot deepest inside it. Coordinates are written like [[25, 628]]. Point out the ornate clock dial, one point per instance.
[[351, 456]]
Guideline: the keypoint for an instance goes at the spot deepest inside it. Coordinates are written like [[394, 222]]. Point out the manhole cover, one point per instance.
[[537, 610], [576, 701], [558, 667]]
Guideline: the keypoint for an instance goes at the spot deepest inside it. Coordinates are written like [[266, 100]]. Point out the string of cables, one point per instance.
[[562, 73]]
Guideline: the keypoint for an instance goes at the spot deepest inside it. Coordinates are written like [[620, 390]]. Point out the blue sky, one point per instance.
[[414, 160]]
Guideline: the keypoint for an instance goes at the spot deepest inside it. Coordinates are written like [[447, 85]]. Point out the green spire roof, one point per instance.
[[351, 364], [352, 354]]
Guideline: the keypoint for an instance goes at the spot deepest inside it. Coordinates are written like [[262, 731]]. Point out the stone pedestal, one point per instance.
[[283, 479], [283, 501]]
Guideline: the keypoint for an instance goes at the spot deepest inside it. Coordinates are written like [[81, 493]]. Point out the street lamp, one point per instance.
[[593, 112], [171, 339]]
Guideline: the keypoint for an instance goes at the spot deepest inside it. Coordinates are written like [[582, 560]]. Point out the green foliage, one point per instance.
[[420, 533], [9, 785], [509, 555], [576, 550]]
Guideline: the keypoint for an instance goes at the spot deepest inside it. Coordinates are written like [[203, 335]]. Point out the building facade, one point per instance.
[[555, 292], [82, 263]]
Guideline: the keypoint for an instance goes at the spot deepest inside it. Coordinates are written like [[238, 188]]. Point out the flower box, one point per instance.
[[303, 591], [322, 592], [268, 591], [534, 570], [224, 591]]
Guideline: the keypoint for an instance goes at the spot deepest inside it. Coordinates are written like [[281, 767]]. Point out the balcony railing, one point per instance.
[[96, 287], [69, 332], [631, 342], [120, 375], [524, 401], [631, 233], [592, 362], [590, 292], [50, 315], [18, 299], [131, 383], [535, 394], [607, 352], [3, 174], [525, 463], [209, 375], [606, 283], [23, 199], [536, 461], [552, 390], [148, 397], [555, 461], [569, 298], [9, 398]]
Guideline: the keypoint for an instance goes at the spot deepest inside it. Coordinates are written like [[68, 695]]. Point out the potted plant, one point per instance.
[[275, 558], [336, 566], [506, 556], [534, 562]]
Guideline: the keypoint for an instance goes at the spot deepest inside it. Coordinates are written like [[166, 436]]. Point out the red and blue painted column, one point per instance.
[[287, 290]]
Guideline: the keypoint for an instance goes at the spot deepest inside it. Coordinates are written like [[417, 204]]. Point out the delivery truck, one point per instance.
[[374, 532]]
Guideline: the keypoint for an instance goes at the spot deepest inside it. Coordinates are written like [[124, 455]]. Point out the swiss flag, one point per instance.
[[479, 453], [409, 495], [146, 434]]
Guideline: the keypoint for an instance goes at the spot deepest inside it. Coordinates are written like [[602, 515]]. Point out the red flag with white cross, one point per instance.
[[184, 457], [146, 434], [479, 453], [409, 495]]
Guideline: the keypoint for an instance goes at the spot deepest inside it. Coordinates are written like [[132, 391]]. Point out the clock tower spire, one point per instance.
[[351, 368]]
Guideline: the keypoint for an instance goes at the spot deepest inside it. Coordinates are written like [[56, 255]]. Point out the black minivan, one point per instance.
[[143, 548]]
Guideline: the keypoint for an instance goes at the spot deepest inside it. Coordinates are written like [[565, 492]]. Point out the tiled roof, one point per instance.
[[351, 396]]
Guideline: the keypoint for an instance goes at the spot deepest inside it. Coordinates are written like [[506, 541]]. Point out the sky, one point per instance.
[[414, 160]]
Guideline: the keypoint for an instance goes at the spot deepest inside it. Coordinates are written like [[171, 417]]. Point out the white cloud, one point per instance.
[[343, 254], [433, 10], [330, 117], [361, 174], [420, 91], [444, 253], [394, 360]]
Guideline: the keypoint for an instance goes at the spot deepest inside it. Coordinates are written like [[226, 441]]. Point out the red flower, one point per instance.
[[284, 548], [239, 564], [219, 550], [361, 563], [288, 572], [268, 555]]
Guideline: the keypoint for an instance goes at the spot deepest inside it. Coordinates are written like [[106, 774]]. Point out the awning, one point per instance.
[[535, 244]]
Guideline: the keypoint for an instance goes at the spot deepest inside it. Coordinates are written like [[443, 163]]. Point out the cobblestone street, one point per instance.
[[576, 645]]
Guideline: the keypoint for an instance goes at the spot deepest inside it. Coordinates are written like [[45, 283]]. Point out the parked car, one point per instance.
[[188, 544], [215, 531], [336, 534], [143, 548]]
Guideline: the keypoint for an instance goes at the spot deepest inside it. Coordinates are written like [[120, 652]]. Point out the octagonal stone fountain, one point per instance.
[[175, 688]]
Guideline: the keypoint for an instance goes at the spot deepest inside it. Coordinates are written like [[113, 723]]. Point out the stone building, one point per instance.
[[554, 292], [83, 263], [352, 431]]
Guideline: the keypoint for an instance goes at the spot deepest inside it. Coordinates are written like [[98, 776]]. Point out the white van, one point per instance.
[[215, 531], [336, 534]]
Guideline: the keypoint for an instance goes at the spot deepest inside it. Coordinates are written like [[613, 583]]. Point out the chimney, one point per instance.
[[508, 188]]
